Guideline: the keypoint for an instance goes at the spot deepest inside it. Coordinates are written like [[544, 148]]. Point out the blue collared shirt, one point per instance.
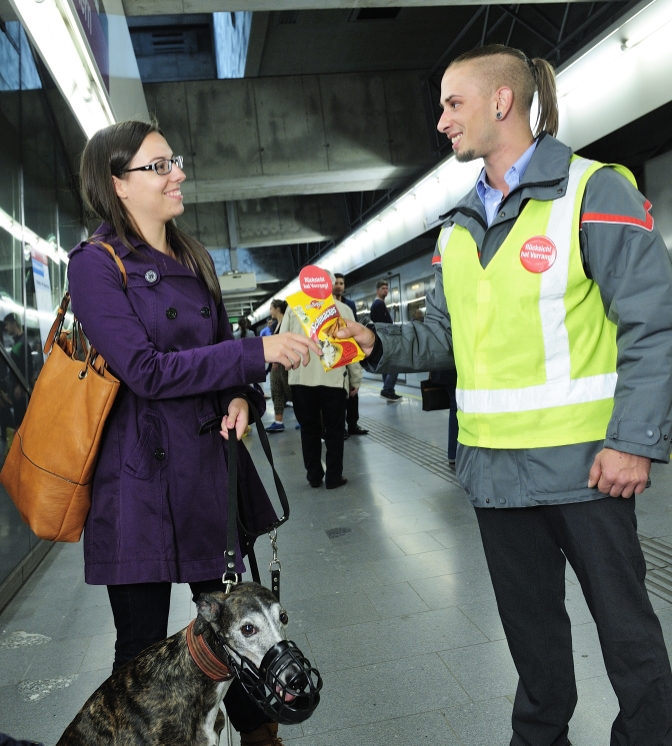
[[492, 198]]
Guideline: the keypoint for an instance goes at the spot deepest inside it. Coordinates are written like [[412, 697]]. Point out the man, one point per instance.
[[269, 328], [560, 326], [352, 403], [319, 399], [380, 314], [21, 355]]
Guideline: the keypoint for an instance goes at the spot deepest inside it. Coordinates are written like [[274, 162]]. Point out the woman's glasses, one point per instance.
[[162, 167]]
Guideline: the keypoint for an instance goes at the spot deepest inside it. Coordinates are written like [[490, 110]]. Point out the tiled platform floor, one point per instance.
[[397, 613]]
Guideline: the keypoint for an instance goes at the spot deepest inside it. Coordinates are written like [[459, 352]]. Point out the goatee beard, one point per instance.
[[468, 155]]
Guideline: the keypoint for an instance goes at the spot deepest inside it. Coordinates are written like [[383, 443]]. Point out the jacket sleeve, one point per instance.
[[417, 345], [117, 332], [625, 255], [253, 391]]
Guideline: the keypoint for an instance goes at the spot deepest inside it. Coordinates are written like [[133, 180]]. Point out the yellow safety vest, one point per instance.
[[534, 351]]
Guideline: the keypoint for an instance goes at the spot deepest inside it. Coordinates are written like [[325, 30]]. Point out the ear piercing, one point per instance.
[[498, 115]]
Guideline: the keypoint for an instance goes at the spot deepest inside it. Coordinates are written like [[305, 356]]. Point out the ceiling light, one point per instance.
[[31, 239], [54, 30]]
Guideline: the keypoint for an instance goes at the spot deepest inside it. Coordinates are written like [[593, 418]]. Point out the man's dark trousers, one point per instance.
[[315, 406], [526, 551], [352, 411]]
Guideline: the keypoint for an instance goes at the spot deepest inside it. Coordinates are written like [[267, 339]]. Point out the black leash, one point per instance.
[[237, 514]]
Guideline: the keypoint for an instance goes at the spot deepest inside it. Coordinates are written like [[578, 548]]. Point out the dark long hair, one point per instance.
[[281, 304], [511, 67], [109, 153]]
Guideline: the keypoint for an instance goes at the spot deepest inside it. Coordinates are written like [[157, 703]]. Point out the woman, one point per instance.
[[158, 513], [280, 391], [244, 329]]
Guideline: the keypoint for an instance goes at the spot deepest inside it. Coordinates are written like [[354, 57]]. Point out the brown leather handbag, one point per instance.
[[49, 469]]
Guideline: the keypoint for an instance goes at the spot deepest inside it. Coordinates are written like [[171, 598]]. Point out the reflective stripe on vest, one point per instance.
[[488, 414]]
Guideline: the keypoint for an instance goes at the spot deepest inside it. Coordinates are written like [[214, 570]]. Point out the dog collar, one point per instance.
[[212, 666]]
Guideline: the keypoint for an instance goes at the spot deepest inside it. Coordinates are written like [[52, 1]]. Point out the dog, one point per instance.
[[171, 693]]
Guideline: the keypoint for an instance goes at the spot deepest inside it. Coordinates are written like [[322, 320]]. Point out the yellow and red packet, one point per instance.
[[318, 314]]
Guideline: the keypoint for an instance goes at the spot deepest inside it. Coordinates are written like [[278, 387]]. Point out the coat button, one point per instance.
[[151, 276], [502, 214], [649, 433], [205, 312], [171, 313], [159, 454], [487, 499], [502, 501]]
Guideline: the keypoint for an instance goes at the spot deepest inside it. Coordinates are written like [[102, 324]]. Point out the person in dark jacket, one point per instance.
[[380, 314], [352, 402], [553, 299], [158, 512], [21, 355]]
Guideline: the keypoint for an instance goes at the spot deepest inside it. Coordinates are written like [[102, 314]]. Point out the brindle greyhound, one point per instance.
[[172, 692]]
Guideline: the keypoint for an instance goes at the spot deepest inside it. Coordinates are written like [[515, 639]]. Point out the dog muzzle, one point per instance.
[[285, 686]]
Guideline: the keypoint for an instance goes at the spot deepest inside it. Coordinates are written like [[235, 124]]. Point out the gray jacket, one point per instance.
[[631, 266]]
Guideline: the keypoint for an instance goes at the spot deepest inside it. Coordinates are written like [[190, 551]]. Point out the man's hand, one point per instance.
[[288, 349], [238, 416], [619, 474], [353, 392], [364, 337]]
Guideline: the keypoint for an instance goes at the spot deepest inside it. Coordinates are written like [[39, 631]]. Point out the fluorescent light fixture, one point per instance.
[[31, 239], [622, 75], [54, 30]]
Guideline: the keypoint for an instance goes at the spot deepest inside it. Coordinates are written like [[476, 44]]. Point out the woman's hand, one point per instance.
[[238, 417], [288, 349], [364, 337]]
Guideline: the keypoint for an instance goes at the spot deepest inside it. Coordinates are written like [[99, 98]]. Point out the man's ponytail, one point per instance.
[[544, 77]]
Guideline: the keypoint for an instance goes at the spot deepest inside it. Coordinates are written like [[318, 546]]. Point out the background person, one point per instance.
[[565, 388], [270, 327], [352, 402], [319, 398], [158, 513], [280, 390], [379, 314], [22, 357], [244, 329]]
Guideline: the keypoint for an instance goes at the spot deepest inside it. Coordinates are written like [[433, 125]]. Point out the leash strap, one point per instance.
[[235, 520]]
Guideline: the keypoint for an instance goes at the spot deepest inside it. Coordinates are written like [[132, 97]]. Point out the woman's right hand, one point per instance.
[[288, 349]]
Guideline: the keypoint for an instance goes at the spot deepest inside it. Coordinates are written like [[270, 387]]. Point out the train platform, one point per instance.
[[387, 591]]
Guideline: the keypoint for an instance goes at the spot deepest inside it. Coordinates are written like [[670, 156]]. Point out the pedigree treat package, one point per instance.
[[319, 316]]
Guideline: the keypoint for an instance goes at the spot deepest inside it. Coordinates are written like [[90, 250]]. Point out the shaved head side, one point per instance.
[[499, 66]]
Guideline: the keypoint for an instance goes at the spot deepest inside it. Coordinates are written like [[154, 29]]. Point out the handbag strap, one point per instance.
[[230, 577], [78, 334], [116, 258]]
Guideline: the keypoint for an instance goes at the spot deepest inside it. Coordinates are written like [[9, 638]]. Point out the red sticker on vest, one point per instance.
[[538, 254], [315, 282]]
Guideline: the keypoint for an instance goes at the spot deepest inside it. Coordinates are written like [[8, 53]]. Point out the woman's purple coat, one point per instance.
[[159, 501]]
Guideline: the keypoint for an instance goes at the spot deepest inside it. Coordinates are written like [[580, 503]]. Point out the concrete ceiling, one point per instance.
[[335, 113]]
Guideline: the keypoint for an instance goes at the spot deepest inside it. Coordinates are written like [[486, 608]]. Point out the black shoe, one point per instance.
[[357, 431], [340, 483], [391, 397], [316, 484], [346, 435]]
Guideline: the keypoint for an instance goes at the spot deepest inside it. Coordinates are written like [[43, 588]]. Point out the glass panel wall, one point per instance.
[[40, 143]]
